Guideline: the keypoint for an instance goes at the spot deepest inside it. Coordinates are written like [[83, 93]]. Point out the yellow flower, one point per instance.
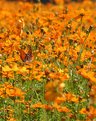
[[6, 68], [23, 69], [15, 68]]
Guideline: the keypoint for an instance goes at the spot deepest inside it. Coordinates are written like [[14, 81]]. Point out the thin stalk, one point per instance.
[[82, 47]]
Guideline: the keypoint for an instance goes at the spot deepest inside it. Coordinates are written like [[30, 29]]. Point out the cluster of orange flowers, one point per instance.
[[47, 42], [7, 90]]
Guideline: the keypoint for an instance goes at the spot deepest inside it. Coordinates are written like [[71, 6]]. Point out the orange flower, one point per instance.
[[60, 100], [7, 90], [83, 111], [89, 75], [1, 44], [18, 92], [38, 105], [92, 112], [61, 108], [71, 97]]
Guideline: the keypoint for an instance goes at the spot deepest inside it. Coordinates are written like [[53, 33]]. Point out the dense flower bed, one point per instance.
[[47, 61]]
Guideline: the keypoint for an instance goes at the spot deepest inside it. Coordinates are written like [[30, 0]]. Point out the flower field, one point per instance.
[[47, 61]]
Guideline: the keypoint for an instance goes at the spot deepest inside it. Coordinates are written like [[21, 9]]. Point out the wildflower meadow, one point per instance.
[[47, 61]]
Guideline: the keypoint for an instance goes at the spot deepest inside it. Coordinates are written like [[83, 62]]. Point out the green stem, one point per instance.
[[82, 48]]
